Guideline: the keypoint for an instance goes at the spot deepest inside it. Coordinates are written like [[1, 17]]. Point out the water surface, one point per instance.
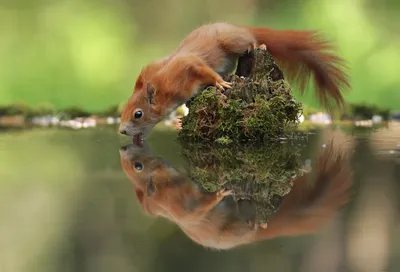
[[67, 205]]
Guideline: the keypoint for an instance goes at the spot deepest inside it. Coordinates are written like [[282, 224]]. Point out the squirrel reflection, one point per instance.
[[218, 220]]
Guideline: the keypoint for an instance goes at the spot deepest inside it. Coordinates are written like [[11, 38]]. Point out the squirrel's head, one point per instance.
[[141, 113], [151, 176], [139, 164]]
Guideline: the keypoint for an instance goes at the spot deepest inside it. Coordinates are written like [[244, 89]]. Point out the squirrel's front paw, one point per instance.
[[264, 225], [262, 47], [251, 48], [222, 84], [255, 226], [223, 193]]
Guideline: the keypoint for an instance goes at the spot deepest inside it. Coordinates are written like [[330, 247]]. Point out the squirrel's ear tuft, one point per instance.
[[150, 187], [139, 195], [150, 93], [138, 84]]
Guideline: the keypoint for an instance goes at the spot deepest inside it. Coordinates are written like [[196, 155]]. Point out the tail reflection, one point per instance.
[[220, 219]]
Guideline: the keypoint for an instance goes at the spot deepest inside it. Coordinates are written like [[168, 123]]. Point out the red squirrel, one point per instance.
[[155, 183], [210, 52], [212, 219]]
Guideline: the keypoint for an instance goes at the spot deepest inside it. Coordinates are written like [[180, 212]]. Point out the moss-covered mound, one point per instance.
[[262, 174], [259, 107]]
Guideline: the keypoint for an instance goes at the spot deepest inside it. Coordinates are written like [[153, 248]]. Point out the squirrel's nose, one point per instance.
[[122, 131]]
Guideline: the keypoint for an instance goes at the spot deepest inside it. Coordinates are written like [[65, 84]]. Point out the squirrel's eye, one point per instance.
[[138, 166], [138, 114]]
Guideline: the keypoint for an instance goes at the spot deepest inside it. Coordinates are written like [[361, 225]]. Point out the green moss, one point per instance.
[[259, 107], [224, 140], [260, 173]]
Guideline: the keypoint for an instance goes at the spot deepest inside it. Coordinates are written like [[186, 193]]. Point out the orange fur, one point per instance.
[[211, 51], [212, 220], [301, 53], [156, 187]]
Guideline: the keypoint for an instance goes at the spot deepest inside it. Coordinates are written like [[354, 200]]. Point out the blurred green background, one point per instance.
[[66, 205], [88, 53]]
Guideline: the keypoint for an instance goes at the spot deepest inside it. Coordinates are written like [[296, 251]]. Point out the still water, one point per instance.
[[89, 201]]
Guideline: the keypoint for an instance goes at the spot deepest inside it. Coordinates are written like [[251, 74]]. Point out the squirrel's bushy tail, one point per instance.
[[315, 197], [302, 53]]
